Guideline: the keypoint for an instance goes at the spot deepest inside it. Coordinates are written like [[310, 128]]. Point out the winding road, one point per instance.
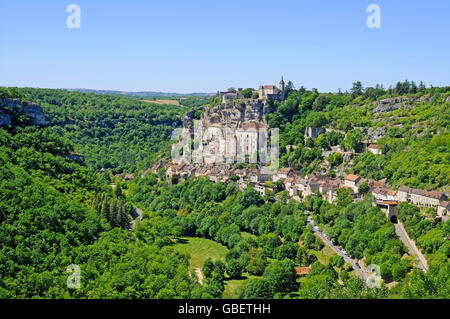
[[338, 250]]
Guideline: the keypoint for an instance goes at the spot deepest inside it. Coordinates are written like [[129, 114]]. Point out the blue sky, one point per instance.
[[205, 46]]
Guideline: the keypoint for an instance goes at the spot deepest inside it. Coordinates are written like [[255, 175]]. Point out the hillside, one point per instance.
[[119, 134], [411, 131]]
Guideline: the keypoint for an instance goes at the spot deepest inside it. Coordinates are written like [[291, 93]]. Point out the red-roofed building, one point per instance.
[[352, 181], [375, 149], [302, 271]]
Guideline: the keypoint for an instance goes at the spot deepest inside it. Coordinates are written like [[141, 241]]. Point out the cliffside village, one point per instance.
[[300, 187], [295, 184]]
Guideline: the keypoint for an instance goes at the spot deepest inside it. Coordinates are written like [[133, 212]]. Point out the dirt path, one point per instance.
[[199, 275]]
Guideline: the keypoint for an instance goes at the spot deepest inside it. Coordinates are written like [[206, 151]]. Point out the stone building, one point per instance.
[[384, 193], [351, 181], [375, 149], [272, 92], [420, 197]]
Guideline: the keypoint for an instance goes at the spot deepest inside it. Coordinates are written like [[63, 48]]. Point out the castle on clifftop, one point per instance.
[[265, 92]]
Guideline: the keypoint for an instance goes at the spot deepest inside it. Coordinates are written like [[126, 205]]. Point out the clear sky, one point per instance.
[[209, 45]]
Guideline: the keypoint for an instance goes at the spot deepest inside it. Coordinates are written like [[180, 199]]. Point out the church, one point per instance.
[[272, 92]]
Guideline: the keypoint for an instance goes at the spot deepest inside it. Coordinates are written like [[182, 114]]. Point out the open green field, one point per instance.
[[232, 285], [324, 255], [200, 249]]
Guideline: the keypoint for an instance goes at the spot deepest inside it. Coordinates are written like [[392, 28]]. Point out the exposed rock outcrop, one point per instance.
[[230, 115], [10, 107], [394, 103], [376, 134]]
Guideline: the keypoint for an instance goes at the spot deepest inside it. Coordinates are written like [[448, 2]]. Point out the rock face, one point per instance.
[[376, 134], [5, 119], [11, 106], [234, 115], [35, 112], [391, 104], [230, 115]]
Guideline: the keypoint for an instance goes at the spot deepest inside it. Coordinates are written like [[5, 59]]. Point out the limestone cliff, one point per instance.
[[231, 115], [10, 108]]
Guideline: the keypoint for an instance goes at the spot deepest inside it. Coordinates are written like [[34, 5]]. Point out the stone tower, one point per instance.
[[282, 87]]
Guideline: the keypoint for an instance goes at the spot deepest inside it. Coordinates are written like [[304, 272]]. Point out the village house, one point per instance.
[[290, 184], [312, 185], [281, 174], [420, 197], [302, 271], [328, 188], [351, 181], [229, 96], [375, 149], [256, 177], [384, 194]]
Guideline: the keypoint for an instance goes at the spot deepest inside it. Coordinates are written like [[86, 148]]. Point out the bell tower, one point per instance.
[[282, 87]]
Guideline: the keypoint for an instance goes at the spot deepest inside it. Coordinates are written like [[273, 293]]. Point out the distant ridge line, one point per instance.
[[141, 93]]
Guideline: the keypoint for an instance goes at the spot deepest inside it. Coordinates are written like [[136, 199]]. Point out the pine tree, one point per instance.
[[114, 211], [105, 211]]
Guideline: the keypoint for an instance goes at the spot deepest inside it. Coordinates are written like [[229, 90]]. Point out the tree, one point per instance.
[[208, 267], [357, 89], [310, 239], [234, 268], [247, 93], [338, 261], [257, 288], [281, 275], [344, 196], [256, 266], [363, 188], [353, 140]]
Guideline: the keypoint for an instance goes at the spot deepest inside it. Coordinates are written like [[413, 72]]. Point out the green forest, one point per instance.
[[56, 211]]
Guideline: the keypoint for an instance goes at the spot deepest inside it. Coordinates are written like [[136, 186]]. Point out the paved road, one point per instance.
[[361, 273], [412, 251]]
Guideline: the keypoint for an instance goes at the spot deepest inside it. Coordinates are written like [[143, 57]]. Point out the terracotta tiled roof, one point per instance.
[[375, 146], [302, 270], [352, 177]]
